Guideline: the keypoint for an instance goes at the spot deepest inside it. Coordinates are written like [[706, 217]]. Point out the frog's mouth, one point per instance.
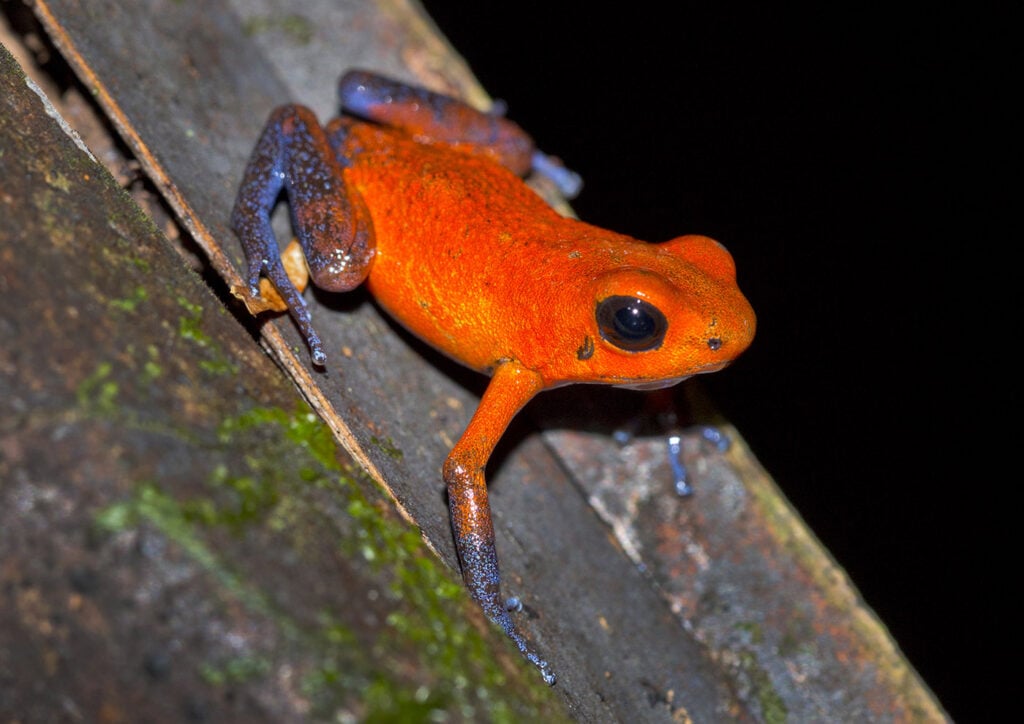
[[653, 384], [648, 385]]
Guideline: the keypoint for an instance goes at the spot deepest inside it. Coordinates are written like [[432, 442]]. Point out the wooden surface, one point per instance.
[[649, 607]]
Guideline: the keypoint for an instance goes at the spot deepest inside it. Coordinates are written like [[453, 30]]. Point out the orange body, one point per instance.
[[470, 259]]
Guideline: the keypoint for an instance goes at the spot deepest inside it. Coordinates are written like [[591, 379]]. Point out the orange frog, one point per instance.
[[421, 196]]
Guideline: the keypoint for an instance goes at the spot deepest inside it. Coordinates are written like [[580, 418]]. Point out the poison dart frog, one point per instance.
[[421, 197]]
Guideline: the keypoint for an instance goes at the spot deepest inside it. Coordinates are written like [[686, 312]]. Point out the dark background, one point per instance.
[[855, 166]]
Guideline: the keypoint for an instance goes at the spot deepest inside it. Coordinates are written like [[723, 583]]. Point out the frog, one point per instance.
[[422, 199]]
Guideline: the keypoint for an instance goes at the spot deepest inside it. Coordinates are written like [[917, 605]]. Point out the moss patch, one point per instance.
[[428, 654]]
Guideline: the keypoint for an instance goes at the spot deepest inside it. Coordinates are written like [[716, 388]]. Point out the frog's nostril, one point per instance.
[[715, 343]]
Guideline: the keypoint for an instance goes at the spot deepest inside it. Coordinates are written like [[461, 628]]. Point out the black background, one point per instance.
[[855, 166]]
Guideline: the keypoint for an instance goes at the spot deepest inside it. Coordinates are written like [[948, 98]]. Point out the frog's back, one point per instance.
[[458, 239], [397, 175], [474, 262]]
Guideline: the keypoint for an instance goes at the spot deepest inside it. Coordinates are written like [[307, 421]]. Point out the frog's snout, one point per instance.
[[732, 337], [729, 331]]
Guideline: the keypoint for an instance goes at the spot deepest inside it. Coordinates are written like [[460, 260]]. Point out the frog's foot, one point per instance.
[[274, 270], [675, 459], [515, 605], [479, 562], [503, 619], [264, 258], [569, 183], [707, 433]]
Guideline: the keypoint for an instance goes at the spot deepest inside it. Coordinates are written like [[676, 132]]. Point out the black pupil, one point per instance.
[[633, 322], [630, 323]]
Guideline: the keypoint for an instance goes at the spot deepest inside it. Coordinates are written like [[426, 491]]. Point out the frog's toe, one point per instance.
[[707, 433], [675, 460], [716, 437], [569, 182]]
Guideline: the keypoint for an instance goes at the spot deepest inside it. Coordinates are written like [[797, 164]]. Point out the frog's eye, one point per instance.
[[631, 324]]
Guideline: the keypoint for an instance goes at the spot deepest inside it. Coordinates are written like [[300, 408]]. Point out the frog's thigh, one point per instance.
[[330, 221], [439, 118]]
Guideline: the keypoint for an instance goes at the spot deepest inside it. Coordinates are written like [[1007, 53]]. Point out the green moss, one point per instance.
[[249, 499], [96, 392], [234, 671], [753, 629], [798, 638], [152, 505], [386, 705], [131, 303], [190, 327], [151, 371], [416, 577], [387, 446], [773, 708], [59, 181], [334, 632], [279, 488], [219, 367], [117, 517], [190, 324], [296, 26]]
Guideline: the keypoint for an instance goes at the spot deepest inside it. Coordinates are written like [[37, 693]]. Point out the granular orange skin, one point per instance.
[[470, 259], [455, 246]]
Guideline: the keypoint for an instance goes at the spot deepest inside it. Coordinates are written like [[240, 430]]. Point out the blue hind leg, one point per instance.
[[438, 118]]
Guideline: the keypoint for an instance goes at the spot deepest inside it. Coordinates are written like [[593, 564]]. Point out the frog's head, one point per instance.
[[672, 312]]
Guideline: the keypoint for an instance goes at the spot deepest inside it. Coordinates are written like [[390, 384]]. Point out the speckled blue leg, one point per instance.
[[439, 118], [293, 156], [478, 558]]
